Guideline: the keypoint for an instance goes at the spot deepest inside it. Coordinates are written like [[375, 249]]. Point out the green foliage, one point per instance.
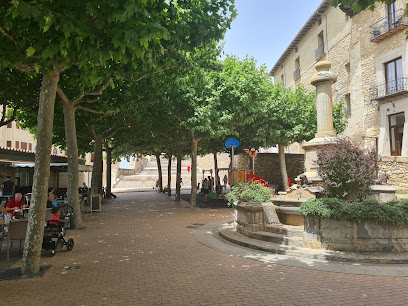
[[290, 116], [358, 5], [346, 170], [395, 212], [87, 33], [249, 192]]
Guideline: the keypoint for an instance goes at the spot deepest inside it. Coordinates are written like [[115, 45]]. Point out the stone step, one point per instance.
[[278, 239], [321, 254], [283, 229]]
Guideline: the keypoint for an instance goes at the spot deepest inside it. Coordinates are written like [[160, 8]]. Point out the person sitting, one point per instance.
[[15, 204], [51, 202], [55, 223], [218, 189]]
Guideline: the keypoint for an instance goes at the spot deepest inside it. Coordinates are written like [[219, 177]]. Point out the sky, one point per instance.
[[264, 29]]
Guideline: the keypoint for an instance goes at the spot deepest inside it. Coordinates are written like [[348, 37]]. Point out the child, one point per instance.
[[55, 222]]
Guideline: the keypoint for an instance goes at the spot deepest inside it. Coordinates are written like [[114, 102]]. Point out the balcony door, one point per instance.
[[393, 76], [392, 14], [396, 133]]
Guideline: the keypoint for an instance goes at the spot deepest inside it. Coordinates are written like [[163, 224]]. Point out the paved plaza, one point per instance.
[[142, 250]]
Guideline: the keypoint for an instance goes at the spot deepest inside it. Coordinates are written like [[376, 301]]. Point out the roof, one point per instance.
[[62, 166], [303, 31]]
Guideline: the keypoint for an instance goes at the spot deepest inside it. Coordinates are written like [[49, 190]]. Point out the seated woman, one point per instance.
[[51, 202]]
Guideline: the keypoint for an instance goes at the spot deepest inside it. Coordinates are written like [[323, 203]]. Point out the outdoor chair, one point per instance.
[[16, 231]]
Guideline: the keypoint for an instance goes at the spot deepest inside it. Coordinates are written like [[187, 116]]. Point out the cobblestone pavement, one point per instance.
[[140, 251]]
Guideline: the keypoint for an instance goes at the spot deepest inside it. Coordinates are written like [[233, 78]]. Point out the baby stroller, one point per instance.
[[54, 238]]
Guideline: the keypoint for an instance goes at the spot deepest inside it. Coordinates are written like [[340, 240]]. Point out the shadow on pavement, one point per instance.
[[212, 204]]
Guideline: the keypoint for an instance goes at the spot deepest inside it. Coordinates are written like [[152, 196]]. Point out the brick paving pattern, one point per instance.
[[140, 251]]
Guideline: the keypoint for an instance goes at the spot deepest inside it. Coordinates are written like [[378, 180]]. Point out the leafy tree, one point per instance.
[[356, 6], [49, 37], [13, 97], [290, 116]]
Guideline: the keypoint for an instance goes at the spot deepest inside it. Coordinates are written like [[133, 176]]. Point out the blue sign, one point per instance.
[[232, 142]]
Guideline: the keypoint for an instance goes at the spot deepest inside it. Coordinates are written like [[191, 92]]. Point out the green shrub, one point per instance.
[[249, 192], [346, 170], [395, 212]]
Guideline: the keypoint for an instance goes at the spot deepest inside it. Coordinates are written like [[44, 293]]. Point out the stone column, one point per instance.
[[323, 81]]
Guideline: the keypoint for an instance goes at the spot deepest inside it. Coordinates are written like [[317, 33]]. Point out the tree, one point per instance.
[[49, 37], [13, 97], [290, 116], [355, 6]]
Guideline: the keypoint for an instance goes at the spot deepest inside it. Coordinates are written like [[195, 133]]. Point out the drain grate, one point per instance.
[[190, 226], [14, 273], [73, 268], [199, 224]]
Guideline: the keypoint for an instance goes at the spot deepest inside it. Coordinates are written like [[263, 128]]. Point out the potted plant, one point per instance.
[[253, 207]]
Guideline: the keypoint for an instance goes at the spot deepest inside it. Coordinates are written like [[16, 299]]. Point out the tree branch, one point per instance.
[[3, 117], [99, 91], [9, 36], [90, 110], [62, 95]]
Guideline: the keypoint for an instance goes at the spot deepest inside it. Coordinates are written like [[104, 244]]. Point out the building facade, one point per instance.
[[369, 53]]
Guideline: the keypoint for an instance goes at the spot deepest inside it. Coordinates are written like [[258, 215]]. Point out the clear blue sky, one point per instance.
[[264, 28]]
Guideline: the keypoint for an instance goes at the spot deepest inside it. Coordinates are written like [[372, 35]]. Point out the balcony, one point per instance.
[[319, 52], [296, 74], [391, 88], [388, 26]]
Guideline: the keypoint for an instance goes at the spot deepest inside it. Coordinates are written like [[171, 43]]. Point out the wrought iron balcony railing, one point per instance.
[[319, 52], [392, 87], [389, 25], [296, 74]]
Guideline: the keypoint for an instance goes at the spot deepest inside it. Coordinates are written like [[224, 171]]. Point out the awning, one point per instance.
[[63, 166]]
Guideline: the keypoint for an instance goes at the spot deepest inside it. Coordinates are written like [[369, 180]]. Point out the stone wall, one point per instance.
[[267, 166], [396, 167]]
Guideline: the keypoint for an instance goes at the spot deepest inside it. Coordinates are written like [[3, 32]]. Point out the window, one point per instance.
[[396, 133], [348, 105], [296, 74], [8, 144], [320, 46], [319, 21], [24, 146], [92, 157], [17, 145], [10, 125], [54, 151], [393, 76], [296, 49], [320, 40], [30, 147], [283, 79], [392, 13]]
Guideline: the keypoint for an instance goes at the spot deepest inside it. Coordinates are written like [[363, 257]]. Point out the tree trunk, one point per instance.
[[194, 145], [96, 183], [178, 176], [35, 228], [108, 172], [169, 176], [283, 166], [72, 152], [159, 169], [215, 170]]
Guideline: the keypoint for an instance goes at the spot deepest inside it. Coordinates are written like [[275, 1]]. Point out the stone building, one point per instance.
[[369, 53]]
